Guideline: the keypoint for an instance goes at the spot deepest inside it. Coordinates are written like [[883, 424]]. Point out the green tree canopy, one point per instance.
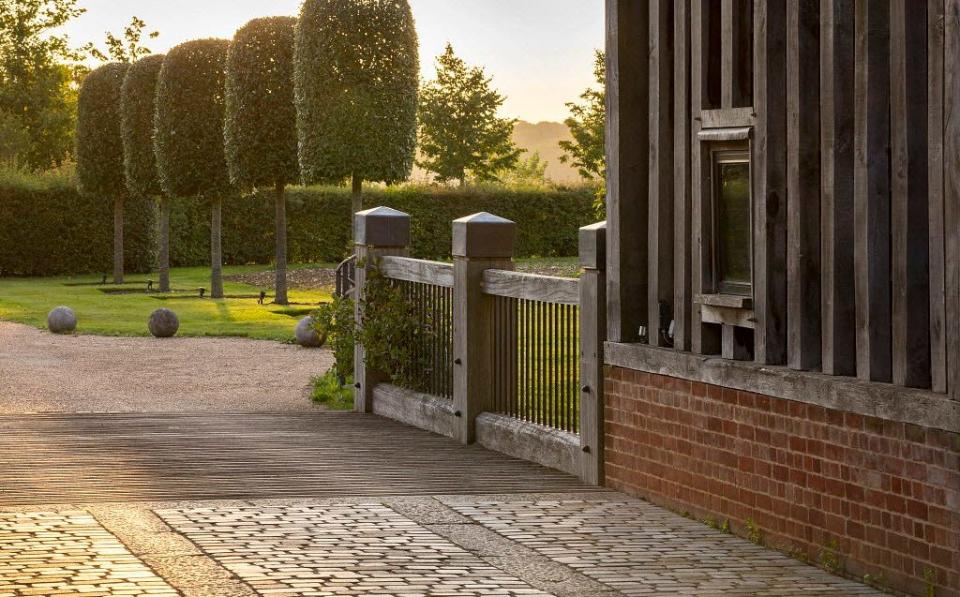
[[129, 47], [587, 123], [99, 142], [35, 79], [137, 109], [261, 119], [188, 137], [460, 133], [356, 82]]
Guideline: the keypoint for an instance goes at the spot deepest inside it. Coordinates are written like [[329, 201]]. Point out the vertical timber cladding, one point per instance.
[[628, 147], [951, 187], [909, 183], [938, 345], [770, 181], [836, 158], [872, 190], [683, 299]]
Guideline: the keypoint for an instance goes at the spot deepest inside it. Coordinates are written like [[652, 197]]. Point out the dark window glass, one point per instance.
[[734, 228]]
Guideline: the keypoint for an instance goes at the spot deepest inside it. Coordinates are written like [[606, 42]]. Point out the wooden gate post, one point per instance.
[[593, 326], [480, 242], [379, 232]]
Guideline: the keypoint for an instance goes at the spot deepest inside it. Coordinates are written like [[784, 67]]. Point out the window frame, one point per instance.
[[727, 153]]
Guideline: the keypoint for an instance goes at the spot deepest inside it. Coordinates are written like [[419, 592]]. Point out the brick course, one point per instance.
[[883, 495]]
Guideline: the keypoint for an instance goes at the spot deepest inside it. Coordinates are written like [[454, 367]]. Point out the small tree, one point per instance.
[[587, 125], [356, 84], [137, 110], [100, 147], [460, 133], [261, 119], [128, 48], [188, 137]]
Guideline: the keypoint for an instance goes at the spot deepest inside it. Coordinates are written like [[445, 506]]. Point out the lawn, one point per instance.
[[28, 300]]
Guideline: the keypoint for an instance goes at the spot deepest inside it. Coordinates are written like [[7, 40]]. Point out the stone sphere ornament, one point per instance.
[[307, 335], [163, 323], [62, 320]]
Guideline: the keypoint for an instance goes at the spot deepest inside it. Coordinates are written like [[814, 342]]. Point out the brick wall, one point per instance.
[[885, 494]]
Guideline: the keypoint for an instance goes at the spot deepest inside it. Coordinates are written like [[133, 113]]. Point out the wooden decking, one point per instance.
[[56, 459]]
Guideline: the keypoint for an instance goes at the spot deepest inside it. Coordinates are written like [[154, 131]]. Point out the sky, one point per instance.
[[539, 52]]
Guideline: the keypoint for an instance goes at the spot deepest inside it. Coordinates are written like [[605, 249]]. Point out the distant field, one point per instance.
[[123, 310]]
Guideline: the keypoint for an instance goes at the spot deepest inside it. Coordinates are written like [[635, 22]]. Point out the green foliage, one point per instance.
[[261, 119], [137, 109], [188, 136], [99, 143], [14, 139], [587, 123], [754, 532], [35, 85], [529, 172], [48, 228], [356, 79], [391, 332], [929, 582], [335, 322], [460, 133], [328, 392], [129, 47], [830, 557]]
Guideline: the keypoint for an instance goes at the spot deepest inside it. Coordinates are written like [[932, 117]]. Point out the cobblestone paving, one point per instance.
[[47, 553], [641, 549], [360, 549]]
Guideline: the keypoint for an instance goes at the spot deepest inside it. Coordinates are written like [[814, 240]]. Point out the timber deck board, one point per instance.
[[51, 459]]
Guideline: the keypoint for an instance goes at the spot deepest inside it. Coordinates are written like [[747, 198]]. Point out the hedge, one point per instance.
[[49, 229]]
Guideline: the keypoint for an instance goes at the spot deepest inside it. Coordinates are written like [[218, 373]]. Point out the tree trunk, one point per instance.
[[357, 203], [216, 252], [281, 222], [164, 244], [118, 240]]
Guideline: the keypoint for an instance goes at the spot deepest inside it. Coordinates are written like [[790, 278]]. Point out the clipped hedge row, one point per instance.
[[49, 229]]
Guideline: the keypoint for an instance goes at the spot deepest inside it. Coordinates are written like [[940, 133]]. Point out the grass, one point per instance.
[[28, 300], [328, 392]]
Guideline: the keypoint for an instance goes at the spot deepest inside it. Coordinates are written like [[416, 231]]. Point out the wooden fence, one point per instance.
[[495, 340]]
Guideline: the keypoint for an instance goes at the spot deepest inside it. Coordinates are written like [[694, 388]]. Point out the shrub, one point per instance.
[[137, 110], [100, 147], [357, 71], [261, 120], [188, 136]]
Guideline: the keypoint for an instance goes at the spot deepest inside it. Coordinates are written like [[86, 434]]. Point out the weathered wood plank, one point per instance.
[[531, 287], [627, 139], [836, 210], [872, 190], [951, 188], [682, 137], [803, 184], [909, 181], [704, 339], [728, 57], [770, 181], [660, 219], [938, 343], [418, 270], [734, 117]]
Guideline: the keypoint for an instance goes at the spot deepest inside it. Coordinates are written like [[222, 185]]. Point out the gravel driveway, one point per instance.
[[41, 372]]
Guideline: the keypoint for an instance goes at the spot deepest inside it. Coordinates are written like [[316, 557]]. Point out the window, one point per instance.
[[732, 223]]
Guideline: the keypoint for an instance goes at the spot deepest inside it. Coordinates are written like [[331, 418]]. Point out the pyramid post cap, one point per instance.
[[382, 227], [484, 235]]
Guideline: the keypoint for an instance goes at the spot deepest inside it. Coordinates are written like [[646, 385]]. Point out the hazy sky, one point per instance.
[[540, 52]]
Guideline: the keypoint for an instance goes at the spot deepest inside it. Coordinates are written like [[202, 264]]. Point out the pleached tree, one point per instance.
[[137, 110], [99, 149], [188, 135], [356, 82], [261, 120]]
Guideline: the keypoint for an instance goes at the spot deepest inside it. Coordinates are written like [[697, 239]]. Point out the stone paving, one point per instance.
[[600, 544], [61, 553]]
